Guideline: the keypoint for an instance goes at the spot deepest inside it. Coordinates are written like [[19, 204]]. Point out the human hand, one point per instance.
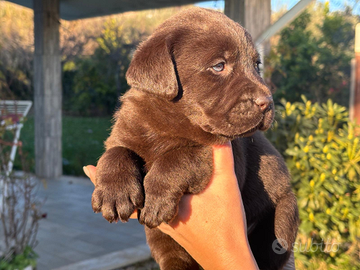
[[211, 225]]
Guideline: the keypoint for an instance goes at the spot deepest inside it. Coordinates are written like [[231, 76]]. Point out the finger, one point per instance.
[[166, 228], [90, 172], [134, 215]]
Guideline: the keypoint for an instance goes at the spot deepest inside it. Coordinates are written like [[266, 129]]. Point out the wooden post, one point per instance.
[[235, 10], [352, 89], [254, 15], [355, 81], [47, 86]]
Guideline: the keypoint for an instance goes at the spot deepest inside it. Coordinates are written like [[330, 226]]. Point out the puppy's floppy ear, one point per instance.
[[152, 68]]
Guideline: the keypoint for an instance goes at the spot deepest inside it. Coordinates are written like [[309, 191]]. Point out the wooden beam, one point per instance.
[[355, 89], [235, 10], [356, 95], [352, 88], [47, 86], [287, 18], [254, 15]]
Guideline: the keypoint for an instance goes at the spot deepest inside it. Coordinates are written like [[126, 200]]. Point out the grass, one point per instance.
[[82, 142]]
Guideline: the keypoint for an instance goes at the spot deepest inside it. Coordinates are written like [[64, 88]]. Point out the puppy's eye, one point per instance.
[[219, 67], [257, 66]]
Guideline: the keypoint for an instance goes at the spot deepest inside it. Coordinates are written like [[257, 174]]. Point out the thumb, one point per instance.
[[90, 172]]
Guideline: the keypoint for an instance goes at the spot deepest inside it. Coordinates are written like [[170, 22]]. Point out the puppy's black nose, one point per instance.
[[264, 103]]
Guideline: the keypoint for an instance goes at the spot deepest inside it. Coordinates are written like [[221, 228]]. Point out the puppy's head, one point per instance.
[[207, 65]]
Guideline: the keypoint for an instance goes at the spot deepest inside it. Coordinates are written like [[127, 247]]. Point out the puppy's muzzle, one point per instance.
[[264, 103]]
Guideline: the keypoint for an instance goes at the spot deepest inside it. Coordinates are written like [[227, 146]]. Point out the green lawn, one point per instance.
[[82, 142]]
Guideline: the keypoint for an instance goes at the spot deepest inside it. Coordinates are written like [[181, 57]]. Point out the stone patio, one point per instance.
[[73, 237]]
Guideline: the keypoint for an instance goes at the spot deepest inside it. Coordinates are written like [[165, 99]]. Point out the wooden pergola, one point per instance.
[[252, 14]]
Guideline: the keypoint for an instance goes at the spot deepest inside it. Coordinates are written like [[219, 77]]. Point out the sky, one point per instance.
[[278, 4]]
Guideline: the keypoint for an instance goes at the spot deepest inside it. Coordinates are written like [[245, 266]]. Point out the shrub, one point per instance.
[[322, 152], [20, 211], [20, 261], [311, 56]]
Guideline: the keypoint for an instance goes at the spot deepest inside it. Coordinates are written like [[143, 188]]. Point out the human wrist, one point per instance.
[[232, 251], [222, 258]]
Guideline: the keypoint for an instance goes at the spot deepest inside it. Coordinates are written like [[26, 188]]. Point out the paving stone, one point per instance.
[[112, 260], [74, 255], [72, 233], [85, 247], [49, 260]]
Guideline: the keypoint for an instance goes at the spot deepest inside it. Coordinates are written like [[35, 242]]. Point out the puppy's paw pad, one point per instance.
[[117, 202], [96, 200], [154, 213]]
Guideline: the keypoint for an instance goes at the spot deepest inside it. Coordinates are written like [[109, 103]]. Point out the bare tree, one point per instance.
[[20, 209]]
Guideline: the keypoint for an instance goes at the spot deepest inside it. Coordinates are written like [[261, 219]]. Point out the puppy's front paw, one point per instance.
[[157, 210], [117, 201], [118, 191]]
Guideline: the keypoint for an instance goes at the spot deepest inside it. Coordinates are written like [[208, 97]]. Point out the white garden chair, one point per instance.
[[15, 110]]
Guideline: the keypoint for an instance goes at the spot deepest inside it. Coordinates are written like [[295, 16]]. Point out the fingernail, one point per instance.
[[86, 171]]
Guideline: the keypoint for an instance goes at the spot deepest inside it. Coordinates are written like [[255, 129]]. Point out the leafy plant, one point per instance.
[[20, 261], [322, 152], [312, 56], [19, 208]]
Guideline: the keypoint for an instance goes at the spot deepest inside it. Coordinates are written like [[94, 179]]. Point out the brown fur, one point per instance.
[[177, 107]]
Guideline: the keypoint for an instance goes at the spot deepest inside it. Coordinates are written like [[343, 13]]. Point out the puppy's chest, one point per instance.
[[151, 145], [139, 135]]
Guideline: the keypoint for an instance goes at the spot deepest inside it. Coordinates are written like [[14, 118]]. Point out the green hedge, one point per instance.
[[322, 152]]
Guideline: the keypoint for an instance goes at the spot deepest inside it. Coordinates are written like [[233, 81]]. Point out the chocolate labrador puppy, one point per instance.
[[194, 83]]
